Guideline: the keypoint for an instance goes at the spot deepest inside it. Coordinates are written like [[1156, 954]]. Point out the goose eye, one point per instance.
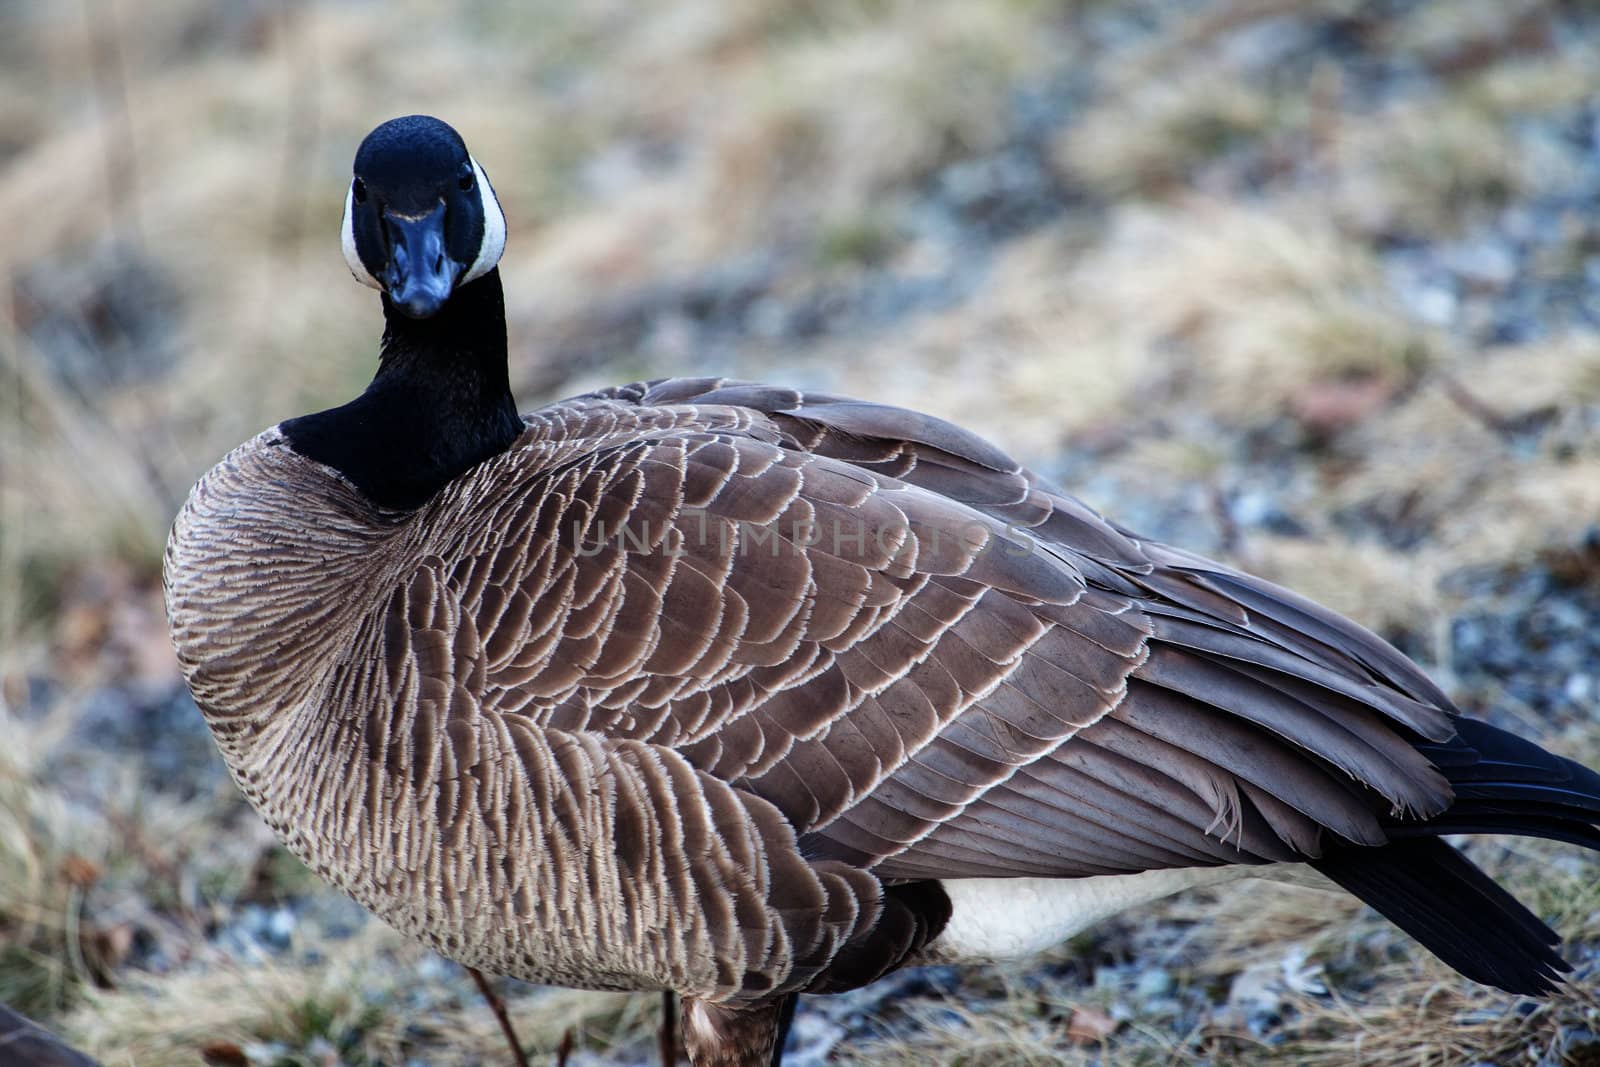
[[465, 182], [358, 189]]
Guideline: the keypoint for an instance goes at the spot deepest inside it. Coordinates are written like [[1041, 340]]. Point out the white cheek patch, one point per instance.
[[494, 228], [347, 241]]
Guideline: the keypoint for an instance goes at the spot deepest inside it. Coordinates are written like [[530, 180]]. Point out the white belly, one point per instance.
[[1001, 918]]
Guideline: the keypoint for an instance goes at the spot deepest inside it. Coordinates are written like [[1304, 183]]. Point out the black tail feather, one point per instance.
[[1506, 785], [1503, 785], [1481, 759], [1436, 895], [1514, 823]]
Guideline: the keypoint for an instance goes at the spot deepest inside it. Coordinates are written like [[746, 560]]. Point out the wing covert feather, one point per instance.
[[925, 657]]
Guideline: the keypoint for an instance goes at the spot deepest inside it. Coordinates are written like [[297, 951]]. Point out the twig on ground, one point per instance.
[[1503, 426], [498, 1006]]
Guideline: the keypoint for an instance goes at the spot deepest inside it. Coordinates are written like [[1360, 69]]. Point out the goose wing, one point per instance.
[[930, 661]]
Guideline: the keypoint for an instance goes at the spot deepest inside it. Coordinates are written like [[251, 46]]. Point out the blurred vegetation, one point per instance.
[[1312, 284]]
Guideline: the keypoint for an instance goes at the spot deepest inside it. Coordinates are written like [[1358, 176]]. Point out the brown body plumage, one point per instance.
[[711, 686]]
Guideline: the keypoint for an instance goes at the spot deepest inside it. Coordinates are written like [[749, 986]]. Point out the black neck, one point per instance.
[[439, 404]]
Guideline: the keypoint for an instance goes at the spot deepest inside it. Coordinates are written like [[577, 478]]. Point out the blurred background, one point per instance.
[[1311, 286]]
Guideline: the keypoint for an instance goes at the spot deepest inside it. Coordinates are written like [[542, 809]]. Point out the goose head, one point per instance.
[[420, 217]]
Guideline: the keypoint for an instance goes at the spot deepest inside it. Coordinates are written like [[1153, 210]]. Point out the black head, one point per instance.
[[420, 218]]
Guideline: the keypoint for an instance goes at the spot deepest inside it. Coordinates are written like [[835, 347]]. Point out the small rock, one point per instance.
[[1328, 406], [1162, 1007], [1154, 982], [1434, 305], [1255, 999], [1486, 264], [1090, 1026], [322, 1052], [1579, 688], [1109, 977], [280, 925]]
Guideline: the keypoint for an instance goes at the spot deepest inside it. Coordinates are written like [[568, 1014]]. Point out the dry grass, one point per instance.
[[1425, 168], [1150, 137], [1144, 324], [346, 1005], [1209, 308], [1349, 990]]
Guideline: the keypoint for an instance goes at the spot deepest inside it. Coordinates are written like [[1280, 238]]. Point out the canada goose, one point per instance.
[[727, 689]]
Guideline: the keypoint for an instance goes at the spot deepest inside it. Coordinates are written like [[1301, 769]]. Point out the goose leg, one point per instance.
[[786, 1009], [667, 1037], [498, 1006]]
